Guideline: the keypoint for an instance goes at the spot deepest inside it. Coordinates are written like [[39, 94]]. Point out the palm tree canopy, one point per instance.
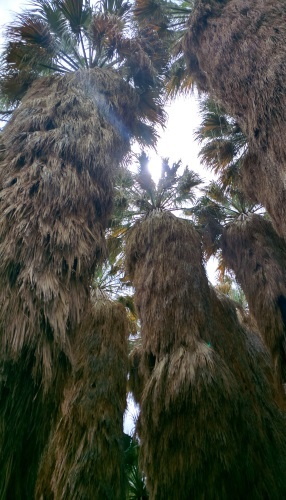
[[218, 209], [61, 36], [169, 19], [223, 143], [176, 187]]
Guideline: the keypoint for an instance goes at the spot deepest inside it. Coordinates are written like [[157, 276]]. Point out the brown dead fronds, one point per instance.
[[140, 368], [165, 267], [235, 49], [84, 457]]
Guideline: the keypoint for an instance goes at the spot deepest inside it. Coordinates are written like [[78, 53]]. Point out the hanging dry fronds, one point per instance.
[[252, 249], [209, 422], [140, 368], [235, 49], [84, 458], [162, 264]]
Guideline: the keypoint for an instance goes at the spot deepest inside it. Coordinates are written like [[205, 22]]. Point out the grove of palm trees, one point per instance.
[[103, 284]]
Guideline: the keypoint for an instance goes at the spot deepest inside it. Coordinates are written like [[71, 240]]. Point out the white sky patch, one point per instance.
[[176, 141], [130, 415], [8, 8]]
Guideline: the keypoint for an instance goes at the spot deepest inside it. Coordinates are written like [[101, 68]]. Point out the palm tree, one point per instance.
[[225, 49], [84, 83], [136, 484], [249, 246], [203, 381]]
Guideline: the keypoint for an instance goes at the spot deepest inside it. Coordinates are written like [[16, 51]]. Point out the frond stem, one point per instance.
[[68, 60], [83, 49]]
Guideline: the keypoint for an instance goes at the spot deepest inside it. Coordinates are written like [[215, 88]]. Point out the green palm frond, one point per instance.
[[136, 195], [144, 177], [216, 194], [223, 143], [136, 484], [75, 14], [174, 189], [217, 209], [164, 13], [118, 7], [169, 20], [178, 80]]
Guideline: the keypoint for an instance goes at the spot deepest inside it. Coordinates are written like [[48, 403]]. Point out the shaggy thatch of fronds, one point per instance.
[[84, 457], [164, 262], [62, 144], [26, 418], [257, 356], [235, 50], [209, 422], [253, 250], [140, 368]]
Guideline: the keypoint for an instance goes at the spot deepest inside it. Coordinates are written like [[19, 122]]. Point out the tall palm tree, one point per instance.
[[195, 361], [84, 83], [249, 246], [226, 48], [208, 417]]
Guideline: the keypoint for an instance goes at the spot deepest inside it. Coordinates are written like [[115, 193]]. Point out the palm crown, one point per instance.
[[137, 196], [169, 19], [218, 209], [69, 35], [223, 143]]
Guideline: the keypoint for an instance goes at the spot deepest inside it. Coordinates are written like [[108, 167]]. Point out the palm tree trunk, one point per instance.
[[208, 423], [252, 249], [236, 51]]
